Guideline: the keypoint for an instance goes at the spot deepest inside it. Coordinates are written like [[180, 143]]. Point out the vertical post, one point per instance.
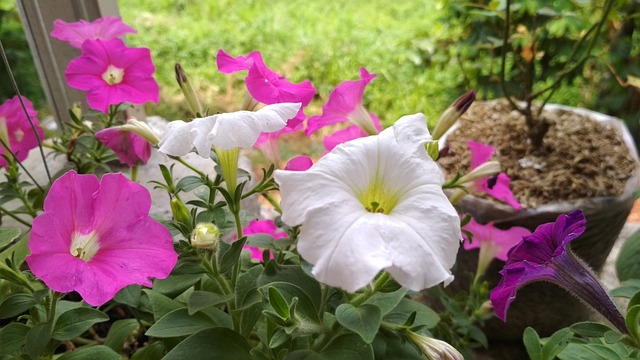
[[51, 55]]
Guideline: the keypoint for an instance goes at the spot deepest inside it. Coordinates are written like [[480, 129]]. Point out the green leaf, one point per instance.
[[555, 344], [627, 289], [180, 323], [387, 301], [75, 322], [119, 332], [627, 264], [348, 347], [37, 339], [425, 316], [12, 337], [130, 295], [279, 338], [532, 343], [305, 307], [160, 304], [632, 319], [91, 353], [212, 344], [588, 351], [16, 304], [175, 284], [7, 235], [153, 351], [189, 183], [292, 274], [364, 320], [232, 255], [278, 303], [590, 329], [18, 251], [199, 300]]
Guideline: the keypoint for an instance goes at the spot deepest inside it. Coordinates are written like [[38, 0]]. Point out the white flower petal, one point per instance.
[[200, 130], [416, 238], [177, 139], [242, 128]]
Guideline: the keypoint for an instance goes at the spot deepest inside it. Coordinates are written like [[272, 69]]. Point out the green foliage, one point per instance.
[[325, 42], [627, 265]]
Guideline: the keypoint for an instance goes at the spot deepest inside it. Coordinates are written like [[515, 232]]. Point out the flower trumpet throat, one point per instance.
[[378, 198]]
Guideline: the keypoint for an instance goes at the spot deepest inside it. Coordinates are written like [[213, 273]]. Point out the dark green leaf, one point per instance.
[[189, 183], [37, 339], [627, 264], [91, 353], [119, 332], [555, 344], [279, 337], [364, 320], [278, 303], [16, 304], [627, 289], [160, 304], [387, 301], [153, 351], [199, 300], [425, 316], [12, 337], [590, 329], [130, 295], [175, 284], [291, 274], [232, 255], [212, 344], [180, 323], [348, 347], [75, 322]]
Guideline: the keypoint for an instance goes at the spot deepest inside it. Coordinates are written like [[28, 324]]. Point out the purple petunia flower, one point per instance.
[[545, 256], [96, 237]]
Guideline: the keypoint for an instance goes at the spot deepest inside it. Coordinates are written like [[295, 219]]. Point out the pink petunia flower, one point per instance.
[[265, 85], [15, 129], [104, 28], [96, 237], [345, 105], [350, 133], [299, 163], [112, 73], [261, 227], [499, 187], [497, 241], [128, 146]]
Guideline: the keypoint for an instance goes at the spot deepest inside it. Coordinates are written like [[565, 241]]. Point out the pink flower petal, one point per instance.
[[104, 28], [128, 146], [488, 233], [501, 188], [299, 163], [132, 247], [350, 133], [21, 137], [267, 227], [137, 85], [480, 153]]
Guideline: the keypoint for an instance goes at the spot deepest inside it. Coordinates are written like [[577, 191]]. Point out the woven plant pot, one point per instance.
[[544, 306]]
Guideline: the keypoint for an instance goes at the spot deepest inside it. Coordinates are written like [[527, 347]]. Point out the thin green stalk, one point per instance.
[[5, 146], [14, 216], [272, 201], [24, 108], [134, 172], [187, 165], [377, 285]]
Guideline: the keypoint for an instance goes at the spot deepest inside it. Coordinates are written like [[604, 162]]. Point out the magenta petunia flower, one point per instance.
[[265, 85], [498, 187], [96, 237], [15, 129], [545, 255], [345, 105], [104, 28], [128, 146], [299, 163], [267, 227], [497, 241], [112, 73], [348, 134]]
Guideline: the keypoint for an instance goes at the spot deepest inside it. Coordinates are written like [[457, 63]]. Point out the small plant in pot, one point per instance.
[[553, 158]]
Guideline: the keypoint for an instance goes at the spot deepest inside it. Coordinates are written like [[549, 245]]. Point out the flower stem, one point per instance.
[[14, 216], [377, 285], [272, 201], [187, 165], [134, 172]]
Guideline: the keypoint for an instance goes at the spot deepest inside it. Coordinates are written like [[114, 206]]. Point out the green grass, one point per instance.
[[323, 41]]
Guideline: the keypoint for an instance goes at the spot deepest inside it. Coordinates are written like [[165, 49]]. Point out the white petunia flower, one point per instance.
[[374, 203], [226, 131]]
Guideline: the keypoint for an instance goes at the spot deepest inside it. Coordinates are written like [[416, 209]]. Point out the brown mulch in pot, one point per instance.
[[579, 157]]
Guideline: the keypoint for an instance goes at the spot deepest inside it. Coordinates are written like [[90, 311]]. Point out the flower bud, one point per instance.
[[141, 128], [488, 168], [180, 212], [205, 236], [434, 349], [187, 90], [452, 113]]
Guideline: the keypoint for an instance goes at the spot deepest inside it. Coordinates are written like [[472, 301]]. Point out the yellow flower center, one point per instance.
[[113, 75], [378, 198], [84, 246]]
